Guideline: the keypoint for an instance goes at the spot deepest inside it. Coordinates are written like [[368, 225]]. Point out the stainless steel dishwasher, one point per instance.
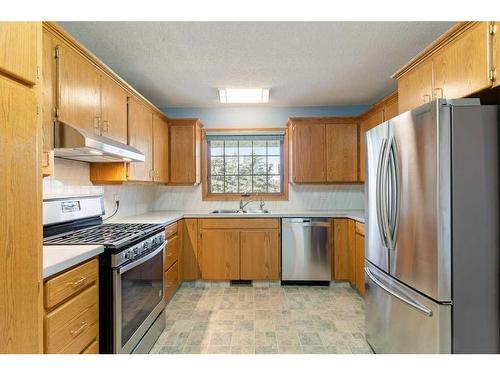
[[306, 251]]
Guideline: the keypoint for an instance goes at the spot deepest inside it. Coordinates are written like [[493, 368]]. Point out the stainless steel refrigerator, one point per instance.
[[432, 230]]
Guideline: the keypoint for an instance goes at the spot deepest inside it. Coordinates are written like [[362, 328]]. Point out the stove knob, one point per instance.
[[129, 254]]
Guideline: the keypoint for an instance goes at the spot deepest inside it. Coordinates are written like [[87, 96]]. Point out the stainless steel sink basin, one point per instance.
[[220, 212]]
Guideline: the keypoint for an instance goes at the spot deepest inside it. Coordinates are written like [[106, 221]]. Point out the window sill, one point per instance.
[[236, 197]]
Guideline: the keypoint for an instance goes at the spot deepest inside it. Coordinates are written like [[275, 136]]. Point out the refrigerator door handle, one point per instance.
[[396, 181], [378, 189], [415, 304], [384, 191]]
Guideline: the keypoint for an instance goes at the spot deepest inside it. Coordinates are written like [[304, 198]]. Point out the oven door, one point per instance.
[[138, 298]]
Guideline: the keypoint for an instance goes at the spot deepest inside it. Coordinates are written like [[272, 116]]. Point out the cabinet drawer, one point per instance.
[[235, 223], [92, 348], [171, 281], [70, 283], [360, 228], [171, 230], [172, 251], [76, 334]]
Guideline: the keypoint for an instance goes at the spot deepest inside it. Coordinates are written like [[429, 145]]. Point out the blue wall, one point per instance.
[[272, 117]]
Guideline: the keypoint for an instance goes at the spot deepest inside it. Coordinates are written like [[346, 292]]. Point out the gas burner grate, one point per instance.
[[105, 234]]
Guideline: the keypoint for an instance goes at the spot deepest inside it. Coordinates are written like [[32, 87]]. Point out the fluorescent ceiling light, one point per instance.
[[244, 95]]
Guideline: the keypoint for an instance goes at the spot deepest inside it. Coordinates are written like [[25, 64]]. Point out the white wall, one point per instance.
[[71, 178], [301, 197]]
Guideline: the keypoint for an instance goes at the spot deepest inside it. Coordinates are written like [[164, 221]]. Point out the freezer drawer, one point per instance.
[[306, 249], [399, 320]]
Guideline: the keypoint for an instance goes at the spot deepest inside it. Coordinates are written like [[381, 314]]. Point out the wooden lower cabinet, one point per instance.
[[260, 255], [341, 264], [360, 259], [173, 261], [190, 265], [71, 323], [220, 254], [239, 249]]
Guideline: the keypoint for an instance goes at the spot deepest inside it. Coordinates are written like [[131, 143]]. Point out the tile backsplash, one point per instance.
[[71, 178], [301, 197]]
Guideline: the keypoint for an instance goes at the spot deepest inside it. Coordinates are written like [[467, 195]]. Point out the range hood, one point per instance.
[[75, 143]]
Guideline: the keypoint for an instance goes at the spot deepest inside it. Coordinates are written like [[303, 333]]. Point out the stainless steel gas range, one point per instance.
[[131, 301]]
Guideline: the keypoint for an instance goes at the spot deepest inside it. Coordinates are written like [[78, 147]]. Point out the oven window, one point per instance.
[[142, 291]]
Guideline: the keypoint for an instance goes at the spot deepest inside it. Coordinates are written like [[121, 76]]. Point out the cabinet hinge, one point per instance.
[[492, 28], [37, 72], [493, 74], [37, 109], [56, 112], [56, 52]]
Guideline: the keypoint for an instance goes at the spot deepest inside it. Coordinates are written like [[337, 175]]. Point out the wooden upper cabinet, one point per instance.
[[342, 152], [140, 128], [78, 90], [260, 255], [390, 107], [368, 121], [415, 87], [160, 149], [18, 50], [113, 110], [308, 152], [184, 151], [461, 67], [220, 254]]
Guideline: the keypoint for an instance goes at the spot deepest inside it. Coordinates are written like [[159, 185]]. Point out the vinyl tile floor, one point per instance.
[[264, 320]]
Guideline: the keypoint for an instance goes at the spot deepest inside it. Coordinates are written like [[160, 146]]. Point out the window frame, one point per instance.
[[207, 196]]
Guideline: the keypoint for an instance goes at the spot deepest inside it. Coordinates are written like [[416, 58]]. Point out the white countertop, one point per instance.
[[168, 217], [58, 258]]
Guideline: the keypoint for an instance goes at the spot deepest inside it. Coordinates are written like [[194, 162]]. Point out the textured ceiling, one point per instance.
[[304, 64]]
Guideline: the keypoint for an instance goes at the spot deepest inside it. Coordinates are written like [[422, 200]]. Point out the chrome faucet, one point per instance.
[[244, 204]]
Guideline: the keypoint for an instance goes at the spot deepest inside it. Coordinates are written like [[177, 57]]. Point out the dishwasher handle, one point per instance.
[[306, 224]]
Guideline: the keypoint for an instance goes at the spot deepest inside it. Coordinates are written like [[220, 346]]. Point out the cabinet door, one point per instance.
[[369, 121], [78, 86], [160, 149], [172, 281], [113, 110], [18, 49], [183, 154], [20, 221], [496, 54], [360, 263], [260, 255], [140, 128], [415, 87], [189, 239], [309, 153], [461, 67], [341, 265], [351, 251], [220, 255], [342, 152]]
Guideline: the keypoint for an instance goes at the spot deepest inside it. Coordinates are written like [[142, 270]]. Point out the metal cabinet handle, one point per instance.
[[78, 331], [105, 126], [78, 283], [428, 97], [440, 90], [414, 304]]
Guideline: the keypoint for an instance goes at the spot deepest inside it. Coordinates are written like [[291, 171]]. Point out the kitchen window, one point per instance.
[[242, 162]]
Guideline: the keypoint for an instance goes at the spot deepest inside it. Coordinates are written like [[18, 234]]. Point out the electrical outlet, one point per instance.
[[116, 198]]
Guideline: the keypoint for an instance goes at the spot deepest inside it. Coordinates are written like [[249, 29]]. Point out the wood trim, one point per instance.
[[379, 105], [326, 120], [206, 196], [58, 31], [448, 37]]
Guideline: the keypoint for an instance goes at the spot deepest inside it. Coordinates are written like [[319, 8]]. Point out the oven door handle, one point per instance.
[[138, 262]]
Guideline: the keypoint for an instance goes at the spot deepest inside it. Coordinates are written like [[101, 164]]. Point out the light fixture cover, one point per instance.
[[244, 96]]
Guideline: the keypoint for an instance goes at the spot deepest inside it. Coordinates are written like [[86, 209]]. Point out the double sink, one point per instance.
[[241, 212]]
